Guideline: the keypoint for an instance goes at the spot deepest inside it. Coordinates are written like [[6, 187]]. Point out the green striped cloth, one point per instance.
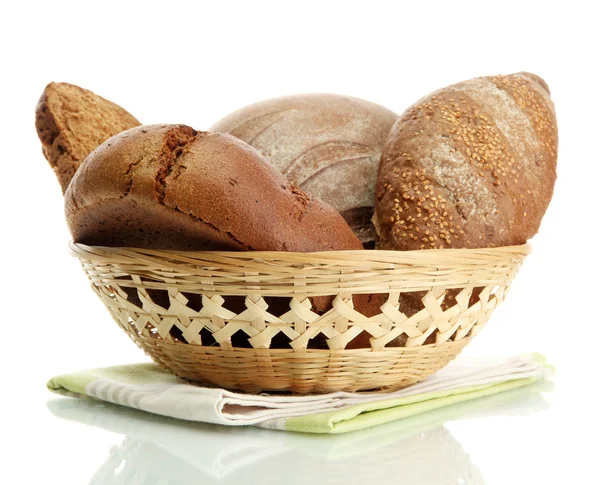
[[149, 388]]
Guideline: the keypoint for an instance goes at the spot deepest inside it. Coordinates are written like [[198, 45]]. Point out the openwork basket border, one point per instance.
[[456, 290]]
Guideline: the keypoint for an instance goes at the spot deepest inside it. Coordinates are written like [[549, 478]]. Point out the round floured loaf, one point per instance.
[[471, 165], [328, 145]]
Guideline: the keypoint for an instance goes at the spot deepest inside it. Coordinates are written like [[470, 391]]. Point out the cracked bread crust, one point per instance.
[[172, 187], [71, 122]]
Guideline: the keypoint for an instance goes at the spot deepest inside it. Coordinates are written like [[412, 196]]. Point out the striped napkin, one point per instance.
[[149, 388]]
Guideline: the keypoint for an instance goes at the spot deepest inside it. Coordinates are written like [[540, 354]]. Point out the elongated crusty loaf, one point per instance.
[[71, 122], [471, 165], [171, 187], [326, 144]]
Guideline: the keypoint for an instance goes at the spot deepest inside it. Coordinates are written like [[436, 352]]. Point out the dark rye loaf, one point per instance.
[[71, 122], [172, 187], [328, 145], [471, 165]]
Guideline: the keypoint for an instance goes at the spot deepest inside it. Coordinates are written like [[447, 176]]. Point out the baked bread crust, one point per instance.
[[471, 165], [328, 145], [172, 187], [71, 122]]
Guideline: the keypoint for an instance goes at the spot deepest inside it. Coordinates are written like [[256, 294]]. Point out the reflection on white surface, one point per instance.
[[420, 449]]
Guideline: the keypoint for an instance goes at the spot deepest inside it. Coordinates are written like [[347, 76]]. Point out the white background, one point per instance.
[[195, 62]]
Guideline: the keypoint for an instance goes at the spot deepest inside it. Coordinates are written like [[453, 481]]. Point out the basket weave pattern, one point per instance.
[[189, 310]]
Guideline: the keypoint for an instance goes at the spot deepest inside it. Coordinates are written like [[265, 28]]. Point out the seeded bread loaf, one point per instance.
[[326, 144], [471, 165], [71, 122]]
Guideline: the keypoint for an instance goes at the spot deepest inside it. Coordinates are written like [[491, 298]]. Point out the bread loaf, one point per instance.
[[172, 187], [71, 122], [326, 144], [471, 165]]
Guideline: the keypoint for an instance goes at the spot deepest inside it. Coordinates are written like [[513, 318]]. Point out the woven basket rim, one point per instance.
[[312, 274], [77, 249]]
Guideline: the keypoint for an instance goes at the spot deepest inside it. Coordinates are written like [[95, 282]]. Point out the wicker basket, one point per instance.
[[245, 320]]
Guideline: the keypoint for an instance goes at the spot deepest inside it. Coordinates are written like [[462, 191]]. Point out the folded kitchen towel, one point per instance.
[[158, 448], [149, 388]]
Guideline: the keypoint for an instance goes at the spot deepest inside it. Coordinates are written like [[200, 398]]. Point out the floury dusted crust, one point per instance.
[[471, 165], [327, 144]]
